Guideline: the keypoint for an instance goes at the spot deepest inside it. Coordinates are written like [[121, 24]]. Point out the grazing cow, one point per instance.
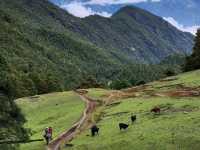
[[94, 130], [156, 110], [133, 118], [123, 126]]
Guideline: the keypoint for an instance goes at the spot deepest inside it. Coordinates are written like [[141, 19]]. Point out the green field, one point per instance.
[[97, 93], [58, 110], [176, 128]]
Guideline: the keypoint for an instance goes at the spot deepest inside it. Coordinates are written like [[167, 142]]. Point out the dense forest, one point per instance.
[[10, 117]]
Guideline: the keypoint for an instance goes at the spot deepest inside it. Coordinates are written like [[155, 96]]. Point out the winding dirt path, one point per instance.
[[85, 121]]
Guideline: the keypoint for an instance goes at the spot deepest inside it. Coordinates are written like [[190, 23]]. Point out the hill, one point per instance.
[[177, 96], [45, 56]]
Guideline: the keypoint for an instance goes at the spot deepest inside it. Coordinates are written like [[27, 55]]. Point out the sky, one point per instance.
[[82, 9]]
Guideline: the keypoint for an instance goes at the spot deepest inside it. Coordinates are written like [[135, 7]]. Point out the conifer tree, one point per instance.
[[193, 61]]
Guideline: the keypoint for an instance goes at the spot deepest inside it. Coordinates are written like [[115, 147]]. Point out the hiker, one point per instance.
[[48, 134]]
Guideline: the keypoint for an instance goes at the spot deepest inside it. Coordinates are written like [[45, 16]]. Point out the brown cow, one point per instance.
[[156, 110]]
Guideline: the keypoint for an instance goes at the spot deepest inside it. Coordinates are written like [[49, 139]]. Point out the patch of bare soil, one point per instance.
[[180, 91], [184, 110], [168, 79], [82, 91], [178, 85], [183, 93], [115, 95], [125, 93], [136, 89]]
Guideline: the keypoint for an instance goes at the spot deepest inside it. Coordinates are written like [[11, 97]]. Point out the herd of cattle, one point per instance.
[[124, 126]]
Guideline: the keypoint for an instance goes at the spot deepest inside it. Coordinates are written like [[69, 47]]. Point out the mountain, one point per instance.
[[48, 50], [45, 49], [39, 55], [184, 12], [135, 33]]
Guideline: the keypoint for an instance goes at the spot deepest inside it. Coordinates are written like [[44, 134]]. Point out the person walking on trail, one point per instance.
[[48, 134]]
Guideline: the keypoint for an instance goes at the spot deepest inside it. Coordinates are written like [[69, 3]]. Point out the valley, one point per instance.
[[61, 75]]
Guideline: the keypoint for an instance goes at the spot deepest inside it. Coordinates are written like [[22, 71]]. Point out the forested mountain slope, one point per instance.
[[135, 33], [46, 56]]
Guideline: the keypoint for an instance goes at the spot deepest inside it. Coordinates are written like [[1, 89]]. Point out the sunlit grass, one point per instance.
[[58, 110]]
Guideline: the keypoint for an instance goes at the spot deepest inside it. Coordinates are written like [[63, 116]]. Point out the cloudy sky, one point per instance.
[[83, 8]]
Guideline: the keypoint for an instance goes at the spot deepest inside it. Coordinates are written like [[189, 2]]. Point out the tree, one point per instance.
[[169, 72], [193, 61], [11, 119], [119, 84]]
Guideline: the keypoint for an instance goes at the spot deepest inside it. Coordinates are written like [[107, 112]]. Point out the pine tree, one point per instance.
[[193, 61]]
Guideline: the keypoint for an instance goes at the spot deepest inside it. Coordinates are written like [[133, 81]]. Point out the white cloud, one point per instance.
[[192, 29], [114, 2], [80, 10]]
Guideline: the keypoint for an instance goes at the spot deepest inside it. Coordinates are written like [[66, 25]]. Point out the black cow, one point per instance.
[[123, 126], [133, 118], [94, 130]]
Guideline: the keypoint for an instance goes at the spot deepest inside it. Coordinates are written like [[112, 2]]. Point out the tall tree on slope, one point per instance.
[[193, 61]]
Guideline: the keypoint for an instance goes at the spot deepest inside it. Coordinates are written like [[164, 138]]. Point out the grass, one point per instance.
[[177, 127], [190, 79], [97, 93], [59, 110], [170, 130]]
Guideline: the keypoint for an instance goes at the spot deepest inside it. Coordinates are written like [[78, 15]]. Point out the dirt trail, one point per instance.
[[85, 121]]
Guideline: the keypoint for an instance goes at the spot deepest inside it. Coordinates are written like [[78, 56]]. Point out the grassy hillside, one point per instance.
[[58, 110], [176, 127]]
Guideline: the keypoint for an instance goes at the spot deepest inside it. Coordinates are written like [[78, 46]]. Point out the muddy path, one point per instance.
[[83, 123]]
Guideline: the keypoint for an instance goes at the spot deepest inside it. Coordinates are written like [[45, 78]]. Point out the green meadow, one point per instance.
[[58, 110], [97, 93], [176, 128]]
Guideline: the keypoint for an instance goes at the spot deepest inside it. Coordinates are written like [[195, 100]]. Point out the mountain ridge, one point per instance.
[[184, 12], [139, 27]]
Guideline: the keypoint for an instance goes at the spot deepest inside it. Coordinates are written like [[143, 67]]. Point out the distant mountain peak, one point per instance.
[[132, 11]]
